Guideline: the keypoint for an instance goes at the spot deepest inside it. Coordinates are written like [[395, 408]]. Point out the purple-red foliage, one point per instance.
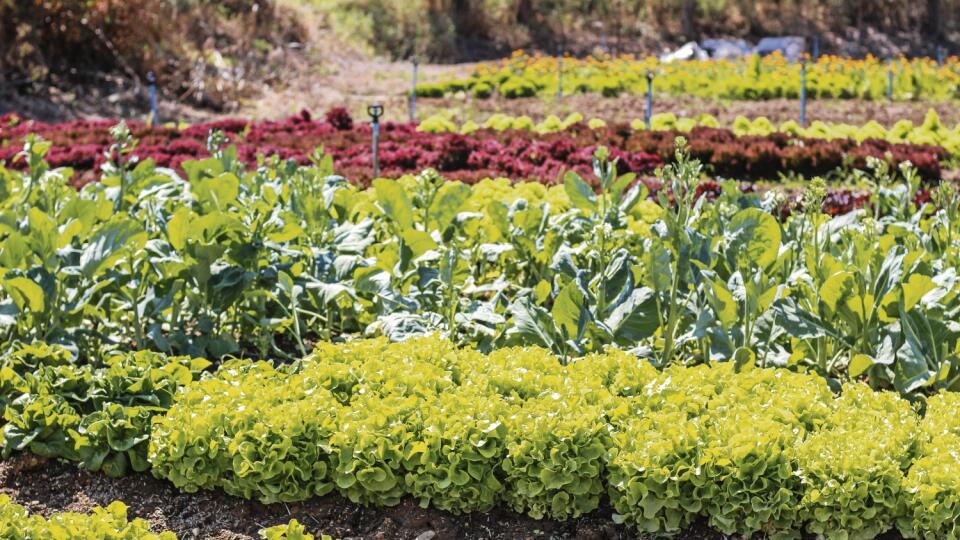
[[338, 117], [515, 154]]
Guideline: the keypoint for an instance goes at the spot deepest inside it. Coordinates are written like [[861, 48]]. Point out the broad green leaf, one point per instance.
[[797, 322], [43, 237], [106, 244], [771, 294], [394, 201], [178, 228], [570, 310], [530, 324], [859, 364], [542, 292], [914, 288], [447, 203], [580, 193], [744, 359], [621, 184], [861, 306], [635, 318], [836, 289], [632, 197], [723, 304], [214, 226], [73, 229], [25, 293], [498, 215], [659, 272], [753, 236], [530, 219], [912, 367], [219, 192], [418, 241], [14, 251], [202, 168], [285, 233]]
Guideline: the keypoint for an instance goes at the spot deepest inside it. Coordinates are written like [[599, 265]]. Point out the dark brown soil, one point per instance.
[[46, 487]]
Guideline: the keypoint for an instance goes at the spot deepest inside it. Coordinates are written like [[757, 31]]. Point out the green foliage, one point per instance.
[[517, 87], [265, 262], [107, 523], [627, 342], [430, 90], [653, 475], [97, 415], [932, 485], [750, 450], [931, 131], [749, 78], [554, 465], [272, 447], [452, 463], [482, 90], [369, 448], [290, 531], [853, 467]]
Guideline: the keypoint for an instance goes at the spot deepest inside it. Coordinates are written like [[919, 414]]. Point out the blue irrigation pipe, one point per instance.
[[648, 114], [803, 94], [152, 87]]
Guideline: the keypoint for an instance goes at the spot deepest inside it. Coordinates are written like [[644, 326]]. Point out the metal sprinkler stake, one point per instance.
[[413, 93], [559, 72], [375, 111], [803, 94]]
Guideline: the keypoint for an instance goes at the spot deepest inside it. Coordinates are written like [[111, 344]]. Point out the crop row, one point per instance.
[[753, 78], [930, 132], [749, 450], [484, 153], [110, 522], [95, 414], [266, 262], [104, 523]]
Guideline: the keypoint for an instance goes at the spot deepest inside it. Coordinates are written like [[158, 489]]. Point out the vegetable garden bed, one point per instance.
[[750, 78], [698, 356], [747, 450], [48, 487], [518, 154]]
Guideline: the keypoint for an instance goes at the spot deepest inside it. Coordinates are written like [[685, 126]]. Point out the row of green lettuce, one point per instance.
[[749, 78], [263, 262], [750, 450], [110, 523], [931, 131]]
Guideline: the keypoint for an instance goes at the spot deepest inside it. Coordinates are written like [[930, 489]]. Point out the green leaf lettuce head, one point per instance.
[[748, 450]]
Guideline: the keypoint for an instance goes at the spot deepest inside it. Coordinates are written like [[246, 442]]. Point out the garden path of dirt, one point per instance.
[[46, 487]]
